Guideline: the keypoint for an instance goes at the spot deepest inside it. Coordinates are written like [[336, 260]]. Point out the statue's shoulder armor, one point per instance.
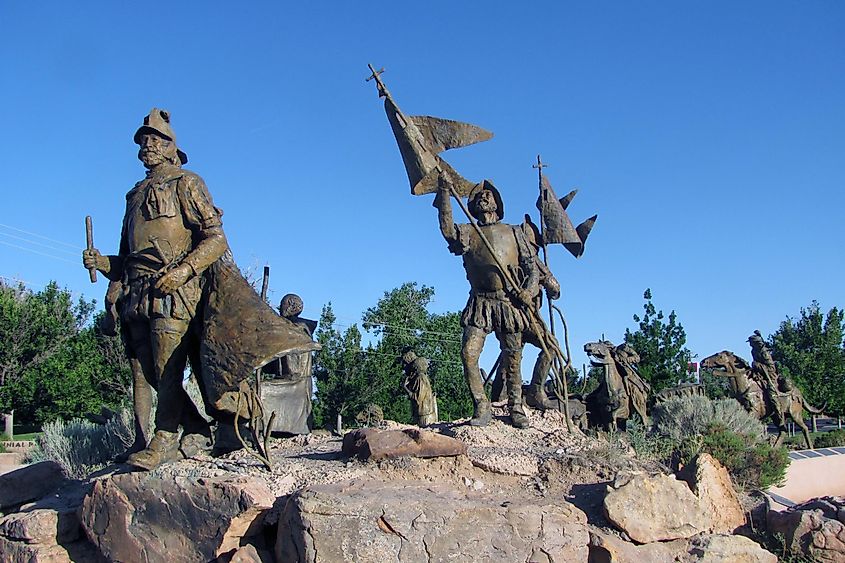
[[190, 177]]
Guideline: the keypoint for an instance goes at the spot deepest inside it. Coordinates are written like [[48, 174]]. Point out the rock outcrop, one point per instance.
[[662, 507], [652, 508], [371, 521], [711, 483], [814, 529], [30, 483], [608, 548], [173, 518]]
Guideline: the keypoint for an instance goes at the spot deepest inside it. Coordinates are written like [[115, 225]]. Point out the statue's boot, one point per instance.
[[134, 448], [483, 414], [163, 448], [536, 398], [518, 417]]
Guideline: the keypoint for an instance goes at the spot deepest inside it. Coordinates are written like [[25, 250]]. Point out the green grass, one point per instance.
[[29, 437]]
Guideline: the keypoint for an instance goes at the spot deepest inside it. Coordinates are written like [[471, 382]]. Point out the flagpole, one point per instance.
[[539, 166]]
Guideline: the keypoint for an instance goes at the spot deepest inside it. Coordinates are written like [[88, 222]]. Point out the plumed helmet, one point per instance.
[[472, 203], [158, 122], [291, 305]]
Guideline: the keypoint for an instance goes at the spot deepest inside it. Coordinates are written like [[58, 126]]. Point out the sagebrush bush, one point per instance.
[[82, 447], [649, 446], [681, 418], [726, 431]]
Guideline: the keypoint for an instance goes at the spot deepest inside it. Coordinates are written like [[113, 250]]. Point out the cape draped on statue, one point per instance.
[[240, 333]]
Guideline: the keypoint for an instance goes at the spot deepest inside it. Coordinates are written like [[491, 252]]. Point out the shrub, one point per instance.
[[682, 418], [649, 446], [832, 439], [82, 447], [726, 431]]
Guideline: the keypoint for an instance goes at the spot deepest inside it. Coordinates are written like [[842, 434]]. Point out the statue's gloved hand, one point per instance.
[[93, 259], [175, 278], [552, 288], [526, 297]]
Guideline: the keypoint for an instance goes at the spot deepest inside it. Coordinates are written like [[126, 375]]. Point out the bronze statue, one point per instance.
[[622, 392], [750, 389], [763, 369], [492, 306], [500, 266], [177, 282], [288, 384], [418, 387]]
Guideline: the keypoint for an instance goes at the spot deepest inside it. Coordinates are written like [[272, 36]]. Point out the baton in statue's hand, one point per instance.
[[89, 243]]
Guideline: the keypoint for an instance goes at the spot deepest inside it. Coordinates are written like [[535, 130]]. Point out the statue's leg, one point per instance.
[[799, 420], [137, 336], [471, 346], [511, 345], [169, 344], [535, 395]]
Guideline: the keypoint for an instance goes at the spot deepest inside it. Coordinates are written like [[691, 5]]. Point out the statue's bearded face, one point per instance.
[[486, 202], [156, 150]]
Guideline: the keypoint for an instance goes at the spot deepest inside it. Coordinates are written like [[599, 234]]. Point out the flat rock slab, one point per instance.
[[171, 518], [372, 444], [30, 483], [403, 521]]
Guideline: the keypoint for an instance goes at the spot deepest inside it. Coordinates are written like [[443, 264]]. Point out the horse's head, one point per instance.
[[600, 353], [725, 363]]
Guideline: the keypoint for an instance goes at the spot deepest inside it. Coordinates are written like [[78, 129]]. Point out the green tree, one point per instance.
[[53, 362], [401, 320], [660, 343], [810, 350], [343, 386]]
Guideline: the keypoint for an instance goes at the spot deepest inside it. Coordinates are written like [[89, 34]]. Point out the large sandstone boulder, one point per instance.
[[171, 518], [661, 507], [653, 508], [608, 548], [403, 521], [711, 483], [30, 483], [375, 445], [43, 535]]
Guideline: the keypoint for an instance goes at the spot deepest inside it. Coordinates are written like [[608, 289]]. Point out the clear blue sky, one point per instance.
[[708, 136]]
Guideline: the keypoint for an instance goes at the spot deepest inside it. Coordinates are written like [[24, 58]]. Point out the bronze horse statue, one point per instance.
[[752, 395], [622, 392]]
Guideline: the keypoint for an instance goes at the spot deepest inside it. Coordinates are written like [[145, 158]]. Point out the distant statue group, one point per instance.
[[179, 300]]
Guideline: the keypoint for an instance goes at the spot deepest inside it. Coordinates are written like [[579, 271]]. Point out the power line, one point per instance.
[[35, 242], [38, 252], [39, 236]]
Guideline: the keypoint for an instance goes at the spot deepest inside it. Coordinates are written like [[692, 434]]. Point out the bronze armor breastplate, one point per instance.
[[482, 270], [153, 214]]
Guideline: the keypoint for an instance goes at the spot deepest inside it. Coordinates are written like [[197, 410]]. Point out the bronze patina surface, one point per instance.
[[180, 298]]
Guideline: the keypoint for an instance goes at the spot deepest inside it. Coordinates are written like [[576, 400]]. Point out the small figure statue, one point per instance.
[[418, 387], [491, 307], [288, 390]]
